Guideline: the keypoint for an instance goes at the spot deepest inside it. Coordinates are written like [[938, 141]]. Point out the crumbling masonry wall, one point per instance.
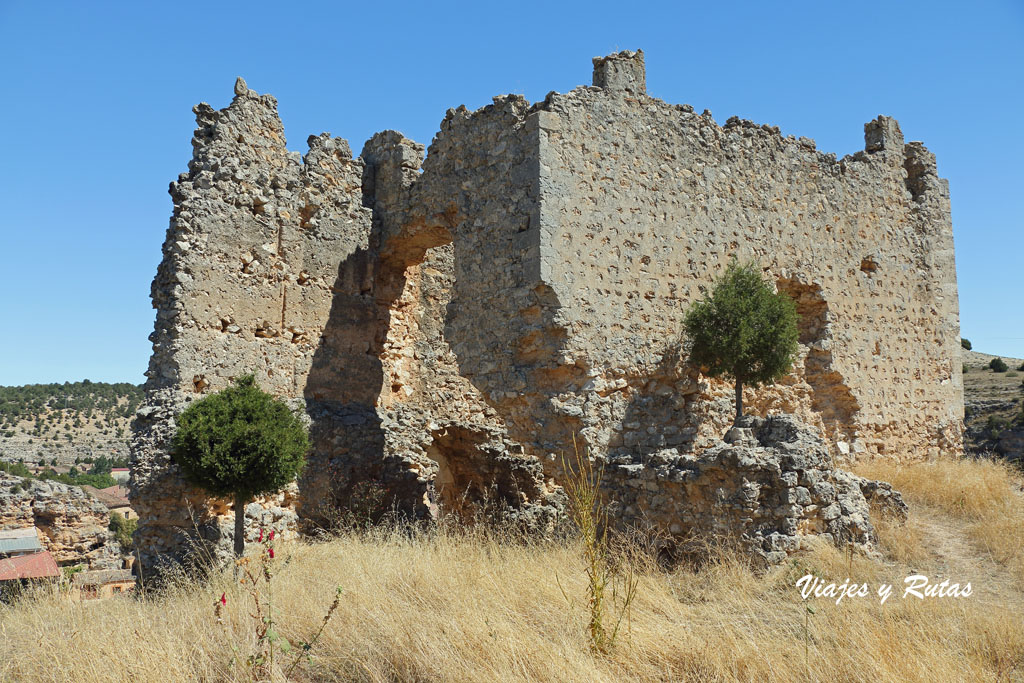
[[246, 285], [447, 324], [644, 203]]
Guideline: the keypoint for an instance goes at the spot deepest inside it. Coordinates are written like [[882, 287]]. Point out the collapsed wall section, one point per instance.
[[453, 237], [417, 396], [502, 321]]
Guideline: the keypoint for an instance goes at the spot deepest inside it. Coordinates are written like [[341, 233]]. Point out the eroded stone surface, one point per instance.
[[72, 524], [770, 485], [527, 281]]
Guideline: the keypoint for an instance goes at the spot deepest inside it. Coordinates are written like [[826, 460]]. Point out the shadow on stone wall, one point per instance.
[[519, 367], [666, 413], [349, 445], [830, 396]]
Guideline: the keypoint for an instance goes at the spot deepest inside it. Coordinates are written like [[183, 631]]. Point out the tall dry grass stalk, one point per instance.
[[589, 514], [469, 605]]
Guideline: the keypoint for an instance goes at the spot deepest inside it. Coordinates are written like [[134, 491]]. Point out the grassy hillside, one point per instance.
[[83, 420], [464, 606], [993, 401]]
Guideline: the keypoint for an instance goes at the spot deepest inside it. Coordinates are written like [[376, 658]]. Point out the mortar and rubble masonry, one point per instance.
[[446, 323]]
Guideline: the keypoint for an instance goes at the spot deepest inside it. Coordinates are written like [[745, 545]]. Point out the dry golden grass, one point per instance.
[[459, 606], [986, 494]]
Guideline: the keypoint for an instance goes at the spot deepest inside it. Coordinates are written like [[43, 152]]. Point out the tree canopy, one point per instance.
[[241, 443], [742, 329]]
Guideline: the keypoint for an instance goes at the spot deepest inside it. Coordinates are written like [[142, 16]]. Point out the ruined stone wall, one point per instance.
[[246, 285], [448, 323], [485, 164], [571, 283], [645, 203], [451, 242], [315, 274]]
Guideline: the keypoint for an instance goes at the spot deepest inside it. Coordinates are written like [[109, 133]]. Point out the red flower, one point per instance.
[[261, 535], [271, 551], [271, 534], [223, 598]]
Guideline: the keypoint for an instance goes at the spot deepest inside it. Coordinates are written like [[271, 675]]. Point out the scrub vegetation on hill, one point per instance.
[[41, 422], [85, 398]]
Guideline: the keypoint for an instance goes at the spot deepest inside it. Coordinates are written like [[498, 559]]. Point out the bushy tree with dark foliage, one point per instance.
[[743, 329], [240, 443]]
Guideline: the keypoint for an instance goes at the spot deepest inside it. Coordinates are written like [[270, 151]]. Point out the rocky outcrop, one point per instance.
[[770, 485], [73, 524]]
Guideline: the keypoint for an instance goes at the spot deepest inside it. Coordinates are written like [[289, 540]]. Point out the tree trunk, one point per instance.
[[739, 402], [239, 526]]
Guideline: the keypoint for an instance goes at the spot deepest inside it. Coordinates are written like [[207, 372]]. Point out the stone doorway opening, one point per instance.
[[478, 478]]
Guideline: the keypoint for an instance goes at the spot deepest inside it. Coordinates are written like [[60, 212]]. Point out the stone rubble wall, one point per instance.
[[645, 203], [770, 485], [307, 273], [247, 283], [448, 323]]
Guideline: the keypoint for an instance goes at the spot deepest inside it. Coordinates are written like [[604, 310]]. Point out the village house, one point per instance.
[[19, 541], [114, 497], [100, 584], [23, 562]]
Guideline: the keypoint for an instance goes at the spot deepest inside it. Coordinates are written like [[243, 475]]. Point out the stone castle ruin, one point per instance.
[[448, 323]]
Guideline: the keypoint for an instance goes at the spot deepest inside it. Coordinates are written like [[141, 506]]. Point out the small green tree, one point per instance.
[[101, 465], [239, 443], [123, 529], [743, 330], [998, 365], [965, 344]]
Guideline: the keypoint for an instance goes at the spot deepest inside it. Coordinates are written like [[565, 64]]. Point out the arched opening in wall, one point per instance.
[[810, 306], [831, 399], [477, 479]]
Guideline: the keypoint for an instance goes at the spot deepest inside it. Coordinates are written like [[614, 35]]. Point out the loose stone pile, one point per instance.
[[770, 485]]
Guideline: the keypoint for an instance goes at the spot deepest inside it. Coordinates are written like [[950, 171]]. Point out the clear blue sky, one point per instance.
[[96, 98]]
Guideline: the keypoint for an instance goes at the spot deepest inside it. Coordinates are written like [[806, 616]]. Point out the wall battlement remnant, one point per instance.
[[448, 322]]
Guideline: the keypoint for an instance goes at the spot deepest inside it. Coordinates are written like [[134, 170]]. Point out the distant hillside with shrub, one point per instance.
[[994, 405], [64, 425]]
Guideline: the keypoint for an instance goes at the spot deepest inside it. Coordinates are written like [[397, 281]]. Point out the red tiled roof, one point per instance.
[[112, 496], [117, 490], [33, 566]]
